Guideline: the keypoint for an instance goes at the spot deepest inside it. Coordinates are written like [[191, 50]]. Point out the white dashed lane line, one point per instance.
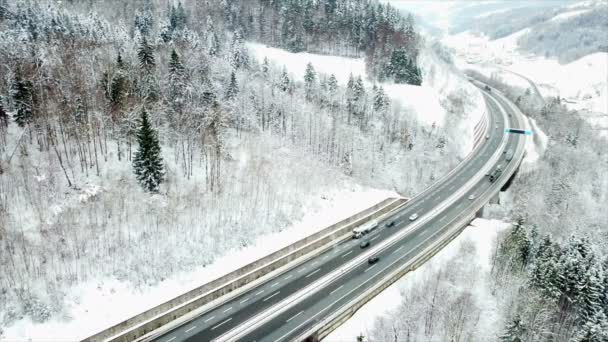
[[313, 272], [272, 295], [224, 322], [207, 320], [189, 330]]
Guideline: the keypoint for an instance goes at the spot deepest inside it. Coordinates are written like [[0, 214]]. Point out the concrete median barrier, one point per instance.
[[182, 305]]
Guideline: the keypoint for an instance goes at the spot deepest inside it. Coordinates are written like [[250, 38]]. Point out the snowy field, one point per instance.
[[478, 238], [582, 83]]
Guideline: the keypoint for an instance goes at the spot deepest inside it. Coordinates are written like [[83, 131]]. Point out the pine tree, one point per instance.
[[544, 271], [148, 162], [332, 84], [381, 101], [594, 330], [238, 55], [265, 66], [604, 295], [589, 293], [176, 86], [3, 114], [176, 68], [233, 88], [514, 331], [146, 56], [309, 80], [284, 82], [23, 97]]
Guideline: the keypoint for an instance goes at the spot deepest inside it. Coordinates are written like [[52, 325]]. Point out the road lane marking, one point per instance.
[[289, 276], [189, 330], [275, 284], [302, 270], [230, 308], [347, 253], [244, 300], [296, 315], [259, 293], [224, 322], [374, 238], [332, 292], [313, 272], [370, 268], [424, 233], [272, 295], [210, 318], [314, 263], [171, 339], [443, 218]]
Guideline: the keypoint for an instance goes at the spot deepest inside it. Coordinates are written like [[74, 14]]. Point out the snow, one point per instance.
[[440, 80], [481, 233], [582, 83], [93, 304], [535, 145], [568, 14], [422, 99]]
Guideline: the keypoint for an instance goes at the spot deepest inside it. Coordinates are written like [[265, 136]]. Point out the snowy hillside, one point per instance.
[[428, 103]]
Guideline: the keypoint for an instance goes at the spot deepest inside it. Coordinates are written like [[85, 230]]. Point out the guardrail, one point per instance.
[[326, 326], [207, 294], [276, 309]]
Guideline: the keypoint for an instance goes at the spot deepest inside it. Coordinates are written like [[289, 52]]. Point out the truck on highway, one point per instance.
[[495, 174], [358, 232]]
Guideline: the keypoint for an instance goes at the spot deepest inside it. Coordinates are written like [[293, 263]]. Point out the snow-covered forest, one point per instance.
[[140, 139], [547, 278]]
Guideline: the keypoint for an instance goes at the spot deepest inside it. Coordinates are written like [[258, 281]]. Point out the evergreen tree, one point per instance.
[[594, 330], [284, 81], [145, 55], [3, 114], [265, 66], [233, 88], [309, 80], [148, 162], [604, 295], [238, 55], [176, 86], [332, 84], [24, 100], [514, 331], [381, 101], [589, 293], [544, 271], [176, 68]]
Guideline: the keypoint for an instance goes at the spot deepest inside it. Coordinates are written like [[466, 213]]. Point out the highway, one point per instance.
[[232, 320]]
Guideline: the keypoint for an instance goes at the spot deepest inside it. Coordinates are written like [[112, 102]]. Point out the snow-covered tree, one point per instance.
[[309, 80], [515, 331], [148, 162], [23, 99], [233, 88]]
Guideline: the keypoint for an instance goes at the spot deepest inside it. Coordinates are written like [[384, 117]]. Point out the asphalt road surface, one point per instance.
[[306, 313]]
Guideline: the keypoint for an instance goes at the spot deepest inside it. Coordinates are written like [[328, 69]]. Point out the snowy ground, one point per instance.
[[582, 83], [481, 234], [93, 304], [425, 101]]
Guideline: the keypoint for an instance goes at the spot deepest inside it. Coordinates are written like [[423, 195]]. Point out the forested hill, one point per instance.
[[355, 28]]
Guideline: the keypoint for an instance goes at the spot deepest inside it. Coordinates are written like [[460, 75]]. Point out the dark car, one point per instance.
[[487, 88], [364, 244], [373, 259], [390, 224]]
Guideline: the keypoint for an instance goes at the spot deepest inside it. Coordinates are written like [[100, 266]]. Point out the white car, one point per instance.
[[413, 217], [472, 197]]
